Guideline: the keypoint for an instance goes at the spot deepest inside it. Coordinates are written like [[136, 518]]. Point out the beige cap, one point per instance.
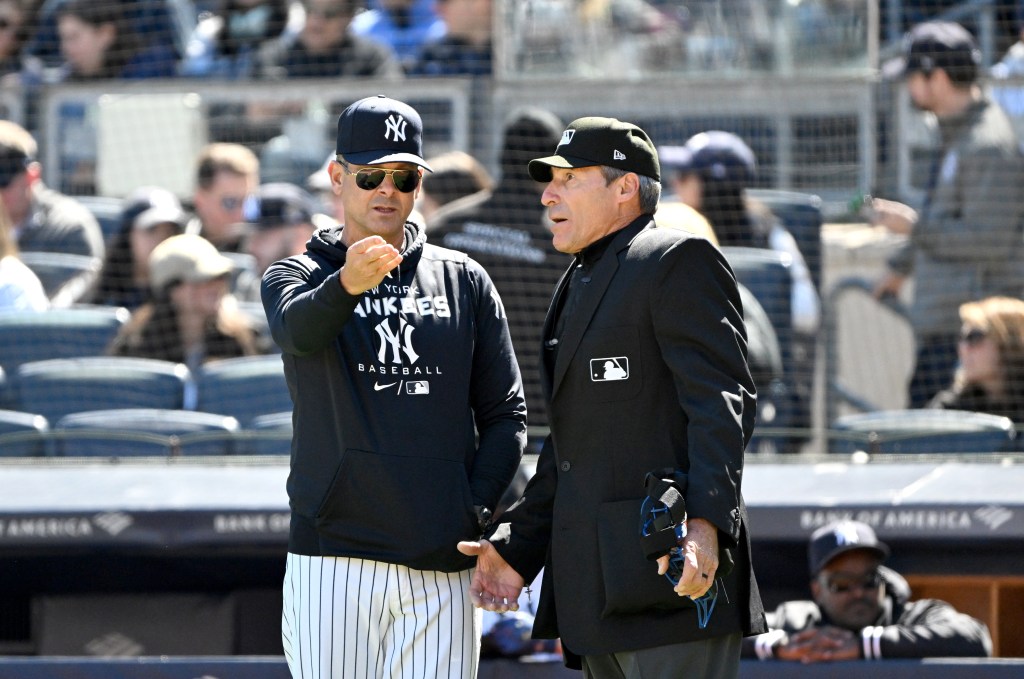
[[189, 258]]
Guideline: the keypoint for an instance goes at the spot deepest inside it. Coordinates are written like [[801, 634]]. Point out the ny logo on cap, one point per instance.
[[567, 137], [396, 125], [846, 534]]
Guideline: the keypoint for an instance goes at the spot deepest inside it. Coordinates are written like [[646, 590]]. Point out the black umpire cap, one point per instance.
[[601, 141]]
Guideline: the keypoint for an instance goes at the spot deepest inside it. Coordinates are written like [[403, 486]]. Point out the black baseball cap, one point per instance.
[[937, 44], [13, 162], [601, 141], [840, 537], [151, 205], [278, 204], [378, 130]]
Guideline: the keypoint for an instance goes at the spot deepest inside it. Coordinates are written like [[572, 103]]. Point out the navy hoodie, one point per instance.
[[408, 403]]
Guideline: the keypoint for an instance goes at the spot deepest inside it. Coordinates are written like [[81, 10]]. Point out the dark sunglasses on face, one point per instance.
[[844, 585], [368, 179], [6, 24], [973, 336]]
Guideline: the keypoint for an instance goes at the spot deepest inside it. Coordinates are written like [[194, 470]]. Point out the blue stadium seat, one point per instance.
[[22, 434], [243, 388], [267, 435], [766, 274], [54, 269], [58, 387], [801, 214], [107, 211], [774, 406], [57, 333], [134, 432], [922, 431]]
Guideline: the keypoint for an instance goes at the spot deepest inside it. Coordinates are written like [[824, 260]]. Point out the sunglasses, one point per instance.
[[6, 24], [973, 337], [844, 585], [368, 179]]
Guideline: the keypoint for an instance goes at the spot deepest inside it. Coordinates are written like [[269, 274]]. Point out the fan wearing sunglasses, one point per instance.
[[409, 419], [990, 377], [861, 610]]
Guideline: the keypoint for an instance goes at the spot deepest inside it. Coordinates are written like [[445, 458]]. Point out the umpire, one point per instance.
[[645, 370]]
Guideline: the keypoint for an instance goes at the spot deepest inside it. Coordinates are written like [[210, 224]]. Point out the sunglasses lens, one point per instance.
[[369, 179], [973, 337], [406, 180]]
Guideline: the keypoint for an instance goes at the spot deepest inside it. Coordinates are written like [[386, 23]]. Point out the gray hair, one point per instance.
[[650, 188]]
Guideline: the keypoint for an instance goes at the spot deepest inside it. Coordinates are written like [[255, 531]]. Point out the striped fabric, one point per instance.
[[355, 618]]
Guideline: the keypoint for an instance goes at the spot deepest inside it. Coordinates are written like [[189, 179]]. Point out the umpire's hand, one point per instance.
[[700, 552]]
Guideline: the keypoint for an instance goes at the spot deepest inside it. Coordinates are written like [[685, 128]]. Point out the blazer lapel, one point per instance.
[[594, 289]]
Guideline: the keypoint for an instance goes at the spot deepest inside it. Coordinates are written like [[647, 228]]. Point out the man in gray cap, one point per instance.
[[645, 373], [409, 420], [964, 243], [861, 609]]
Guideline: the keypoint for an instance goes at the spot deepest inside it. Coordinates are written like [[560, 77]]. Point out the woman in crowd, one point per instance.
[[20, 288], [191, 318], [150, 216], [98, 42], [990, 378]]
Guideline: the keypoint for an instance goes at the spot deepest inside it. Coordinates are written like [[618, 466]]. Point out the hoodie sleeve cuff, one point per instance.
[[871, 642]]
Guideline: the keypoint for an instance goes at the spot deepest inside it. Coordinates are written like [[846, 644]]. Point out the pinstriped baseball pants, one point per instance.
[[358, 619]]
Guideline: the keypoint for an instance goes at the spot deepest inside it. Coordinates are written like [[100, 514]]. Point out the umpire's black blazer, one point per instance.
[[650, 372]]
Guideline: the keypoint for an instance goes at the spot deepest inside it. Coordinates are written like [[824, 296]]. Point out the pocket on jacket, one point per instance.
[[631, 582], [405, 509]]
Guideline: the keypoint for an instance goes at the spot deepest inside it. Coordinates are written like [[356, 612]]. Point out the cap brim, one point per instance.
[[160, 215], [540, 168], [214, 268], [881, 550], [377, 158], [894, 69]]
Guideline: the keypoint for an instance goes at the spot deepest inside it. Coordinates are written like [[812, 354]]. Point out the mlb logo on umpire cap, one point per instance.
[[378, 130]]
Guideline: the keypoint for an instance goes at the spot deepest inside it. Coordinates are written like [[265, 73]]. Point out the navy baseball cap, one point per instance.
[[378, 130], [151, 205], [840, 537], [937, 44], [721, 156], [601, 141], [278, 204]]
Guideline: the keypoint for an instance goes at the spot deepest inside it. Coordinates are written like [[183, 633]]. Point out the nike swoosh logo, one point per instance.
[[378, 387]]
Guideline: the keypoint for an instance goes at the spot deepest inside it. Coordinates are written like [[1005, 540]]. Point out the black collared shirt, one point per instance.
[[582, 266]]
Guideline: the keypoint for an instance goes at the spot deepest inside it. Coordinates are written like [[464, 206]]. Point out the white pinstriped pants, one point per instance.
[[354, 618]]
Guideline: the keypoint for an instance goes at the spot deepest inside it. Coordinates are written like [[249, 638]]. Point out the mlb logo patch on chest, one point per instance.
[[609, 369]]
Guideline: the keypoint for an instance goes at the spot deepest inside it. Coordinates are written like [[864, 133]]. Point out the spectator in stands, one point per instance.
[[990, 378], [150, 216], [45, 220], [325, 47], [319, 183], [711, 174], [16, 67], [456, 175], [507, 232], [20, 288], [965, 242], [191, 318], [279, 222], [403, 25], [227, 44], [226, 174], [862, 610], [465, 48], [98, 41]]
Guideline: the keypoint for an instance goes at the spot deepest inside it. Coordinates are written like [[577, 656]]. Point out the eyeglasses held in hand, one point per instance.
[[369, 178], [842, 585]]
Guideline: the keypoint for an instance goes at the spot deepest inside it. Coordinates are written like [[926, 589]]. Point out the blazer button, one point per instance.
[[566, 466]]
